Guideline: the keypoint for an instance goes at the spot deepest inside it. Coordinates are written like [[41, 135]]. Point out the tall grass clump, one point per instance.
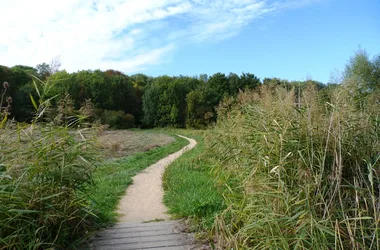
[[305, 170], [44, 173]]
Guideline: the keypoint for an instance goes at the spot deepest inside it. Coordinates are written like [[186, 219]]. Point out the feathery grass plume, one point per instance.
[[6, 85]]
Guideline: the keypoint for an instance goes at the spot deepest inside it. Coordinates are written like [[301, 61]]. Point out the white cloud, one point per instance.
[[125, 35]]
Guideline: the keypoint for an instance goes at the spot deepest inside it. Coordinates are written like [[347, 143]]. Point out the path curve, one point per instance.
[[143, 200]]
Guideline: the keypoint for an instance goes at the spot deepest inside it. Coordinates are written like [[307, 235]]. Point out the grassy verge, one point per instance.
[[191, 191], [113, 177]]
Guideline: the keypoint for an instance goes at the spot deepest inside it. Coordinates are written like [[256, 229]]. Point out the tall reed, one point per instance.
[[305, 170], [44, 173]]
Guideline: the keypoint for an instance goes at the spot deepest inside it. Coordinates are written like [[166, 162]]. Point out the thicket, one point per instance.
[[302, 168]]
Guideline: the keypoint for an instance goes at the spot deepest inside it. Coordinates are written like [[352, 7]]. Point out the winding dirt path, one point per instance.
[[143, 200]]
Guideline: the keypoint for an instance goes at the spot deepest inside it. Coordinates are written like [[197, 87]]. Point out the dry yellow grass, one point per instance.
[[121, 143]]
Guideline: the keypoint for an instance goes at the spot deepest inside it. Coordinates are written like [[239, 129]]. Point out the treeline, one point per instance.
[[123, 101]]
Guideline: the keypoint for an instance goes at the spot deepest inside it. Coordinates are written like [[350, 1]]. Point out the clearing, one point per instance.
[[122, 143]]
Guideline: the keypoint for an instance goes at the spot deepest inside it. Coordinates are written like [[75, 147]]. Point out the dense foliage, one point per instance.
[[129, 101]]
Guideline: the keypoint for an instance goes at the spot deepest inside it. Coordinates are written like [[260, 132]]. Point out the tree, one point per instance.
[[140, 82], [359, 72], [55, 65], [219, 83], [164, 102], [43, 70], [27, 69], [60, 85], [234, 83], [150, 103], [249, 81], [201, 107], [203, 77], [17, 77]]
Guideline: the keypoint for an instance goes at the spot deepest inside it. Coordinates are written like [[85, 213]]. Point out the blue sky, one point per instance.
[[310, 41], [289, 39]]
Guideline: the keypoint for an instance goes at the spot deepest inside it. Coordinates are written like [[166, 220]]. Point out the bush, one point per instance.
[[118, 119]]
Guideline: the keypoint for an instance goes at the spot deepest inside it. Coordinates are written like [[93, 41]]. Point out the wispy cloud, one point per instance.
[[127, 35]]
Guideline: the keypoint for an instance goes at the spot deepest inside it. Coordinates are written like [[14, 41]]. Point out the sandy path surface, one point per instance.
[[143, 199]]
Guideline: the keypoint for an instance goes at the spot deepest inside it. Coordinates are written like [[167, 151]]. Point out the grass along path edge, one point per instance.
[[143, 200], [191, 189], [113, 177]]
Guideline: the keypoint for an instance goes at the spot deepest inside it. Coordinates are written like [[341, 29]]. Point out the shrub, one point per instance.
[[129, 121], [118, 119]]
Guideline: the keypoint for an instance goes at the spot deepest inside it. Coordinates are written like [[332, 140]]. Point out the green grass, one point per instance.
[[190, 188], [113, 177]]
